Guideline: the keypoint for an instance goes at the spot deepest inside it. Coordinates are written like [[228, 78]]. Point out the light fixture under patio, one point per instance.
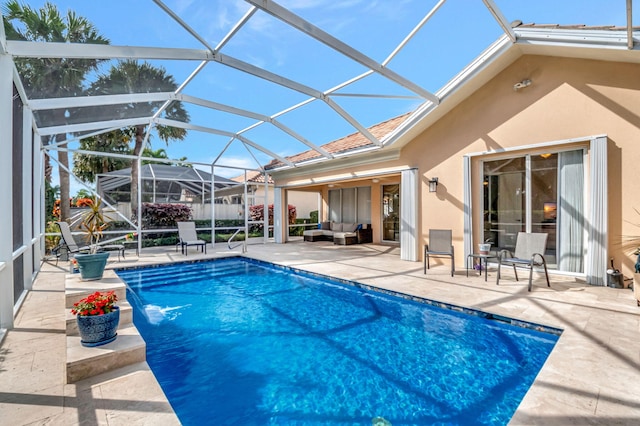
[[522, 84], [433, 184]]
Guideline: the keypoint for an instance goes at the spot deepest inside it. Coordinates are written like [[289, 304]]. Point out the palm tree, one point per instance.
[[87, 166], [52, 77], [132, 77], [160, 153]]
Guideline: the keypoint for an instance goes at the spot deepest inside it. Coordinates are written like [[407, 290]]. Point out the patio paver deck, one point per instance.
[[591, 377]]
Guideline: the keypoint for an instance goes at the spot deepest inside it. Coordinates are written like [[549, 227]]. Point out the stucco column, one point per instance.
[[409, 215], [6, 230], [279, 213]]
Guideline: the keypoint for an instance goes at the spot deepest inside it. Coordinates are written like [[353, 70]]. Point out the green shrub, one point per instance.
[[164, 215], [256, 214]]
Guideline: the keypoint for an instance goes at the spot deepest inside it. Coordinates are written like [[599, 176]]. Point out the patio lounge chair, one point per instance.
[[67, 241], [187, 237], [440, 245], [529, 254]]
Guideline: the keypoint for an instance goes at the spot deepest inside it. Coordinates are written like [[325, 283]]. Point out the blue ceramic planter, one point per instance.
[[92, 265], [96, 330]]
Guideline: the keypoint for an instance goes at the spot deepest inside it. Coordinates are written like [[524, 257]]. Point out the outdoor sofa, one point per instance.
[[340, 233]]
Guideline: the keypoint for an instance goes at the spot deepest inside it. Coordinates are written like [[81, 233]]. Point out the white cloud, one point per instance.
[[182, 5]]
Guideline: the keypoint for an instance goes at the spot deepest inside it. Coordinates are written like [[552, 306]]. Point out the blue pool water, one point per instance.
[[241, 342]]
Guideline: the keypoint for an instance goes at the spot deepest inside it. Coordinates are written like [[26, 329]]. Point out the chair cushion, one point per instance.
[[325, 225], [313, 233], [344, 234], [336, 227], [349, 227], [194, 242]]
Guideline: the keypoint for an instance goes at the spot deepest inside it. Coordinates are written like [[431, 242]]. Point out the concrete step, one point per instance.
[[128, 348], [77, 289], [126, 318]]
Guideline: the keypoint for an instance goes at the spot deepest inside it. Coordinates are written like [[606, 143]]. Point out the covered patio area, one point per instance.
[[591, 377]]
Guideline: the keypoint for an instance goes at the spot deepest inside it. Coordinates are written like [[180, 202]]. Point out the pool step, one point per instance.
[[163, 278], [128, 348], [77, 289]]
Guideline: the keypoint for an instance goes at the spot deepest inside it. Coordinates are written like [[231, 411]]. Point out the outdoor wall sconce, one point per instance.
[[522, 85], [433, 184]]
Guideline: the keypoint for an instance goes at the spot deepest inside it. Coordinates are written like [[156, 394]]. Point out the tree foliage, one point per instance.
[[52, 77], [129, 76], [88, 166]]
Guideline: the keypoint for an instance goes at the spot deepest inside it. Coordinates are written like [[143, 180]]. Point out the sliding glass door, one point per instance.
[[537, 193], [391, 213]]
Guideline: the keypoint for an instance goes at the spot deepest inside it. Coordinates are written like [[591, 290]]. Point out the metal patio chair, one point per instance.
[[187, 236], [67, 242], [530, 248], [440, 245]]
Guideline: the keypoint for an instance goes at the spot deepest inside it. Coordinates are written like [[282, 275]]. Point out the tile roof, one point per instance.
[[252, 177], [347, 143]]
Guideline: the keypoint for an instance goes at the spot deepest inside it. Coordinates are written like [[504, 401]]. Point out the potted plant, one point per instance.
[[98, 318], [92, 265]]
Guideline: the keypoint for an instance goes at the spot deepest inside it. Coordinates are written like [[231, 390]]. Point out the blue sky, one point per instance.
[[457, 33]]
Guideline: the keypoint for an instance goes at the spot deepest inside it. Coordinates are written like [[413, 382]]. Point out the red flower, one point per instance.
[[95, 304]]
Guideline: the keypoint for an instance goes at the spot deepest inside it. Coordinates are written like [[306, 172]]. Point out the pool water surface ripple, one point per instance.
[[240, 342]]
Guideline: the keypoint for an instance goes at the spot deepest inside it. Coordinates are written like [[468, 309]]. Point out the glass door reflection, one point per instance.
[[391, 213]]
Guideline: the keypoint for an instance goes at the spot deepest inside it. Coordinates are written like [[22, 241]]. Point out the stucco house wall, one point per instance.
[[569, 101]]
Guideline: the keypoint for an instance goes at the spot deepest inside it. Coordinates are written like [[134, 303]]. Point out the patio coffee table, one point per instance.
[[486, 258], [114, 247]]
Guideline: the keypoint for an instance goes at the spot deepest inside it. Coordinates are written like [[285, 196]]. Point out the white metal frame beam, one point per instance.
[[311, 30], [88, 127], [87, 101], [173, 123], [29, 49], [500, 18]]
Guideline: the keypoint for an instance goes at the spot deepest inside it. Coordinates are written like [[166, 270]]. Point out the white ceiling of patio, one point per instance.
[[241, 93]]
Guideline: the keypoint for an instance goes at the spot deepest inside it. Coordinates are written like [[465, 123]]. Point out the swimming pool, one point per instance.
[[237, 341]]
